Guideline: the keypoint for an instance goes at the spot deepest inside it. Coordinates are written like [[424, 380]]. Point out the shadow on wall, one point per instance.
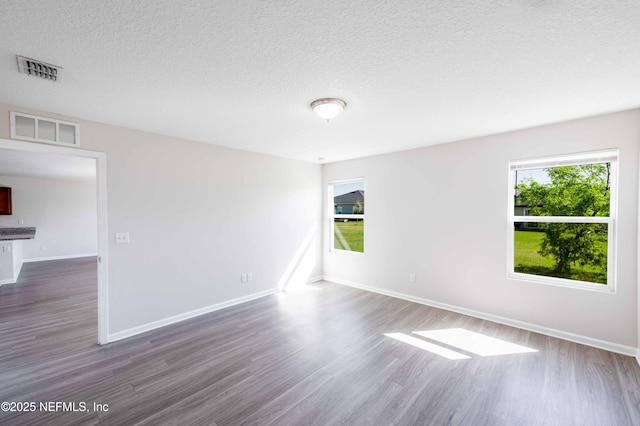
[[297, 274]]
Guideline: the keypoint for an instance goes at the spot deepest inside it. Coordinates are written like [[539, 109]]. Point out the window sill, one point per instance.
[[347, 252], [561, 282]]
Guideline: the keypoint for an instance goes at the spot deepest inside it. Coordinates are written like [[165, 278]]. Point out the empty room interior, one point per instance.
[[318, 213]]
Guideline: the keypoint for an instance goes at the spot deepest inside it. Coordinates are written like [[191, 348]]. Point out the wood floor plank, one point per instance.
[[299, 358]]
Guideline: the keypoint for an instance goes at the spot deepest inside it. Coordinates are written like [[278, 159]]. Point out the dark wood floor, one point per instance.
[[316, 357]]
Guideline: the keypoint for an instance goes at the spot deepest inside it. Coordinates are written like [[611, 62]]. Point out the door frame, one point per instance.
[[101, 204]]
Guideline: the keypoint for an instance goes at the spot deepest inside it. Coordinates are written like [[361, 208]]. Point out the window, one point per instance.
[[346, 212], [562, 220], [39, 129]]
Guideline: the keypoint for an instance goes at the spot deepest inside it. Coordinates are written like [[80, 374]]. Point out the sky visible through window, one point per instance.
[[538, 175], [344, 188]]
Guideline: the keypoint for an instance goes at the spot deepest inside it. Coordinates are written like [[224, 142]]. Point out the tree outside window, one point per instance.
[[570, 206]]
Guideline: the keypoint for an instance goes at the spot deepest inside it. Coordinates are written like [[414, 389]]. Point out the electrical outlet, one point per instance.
[[249, 277], [412, 278], [243, 278], [122, 238], [43, 247], [21, 222]]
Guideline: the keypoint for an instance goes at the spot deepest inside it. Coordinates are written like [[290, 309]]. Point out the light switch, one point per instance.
[[122, 238]]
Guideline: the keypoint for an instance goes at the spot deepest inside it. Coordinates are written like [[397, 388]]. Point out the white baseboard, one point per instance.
[[68, 256], [315, 279], [187, 315], [8, 281], [577, 338]]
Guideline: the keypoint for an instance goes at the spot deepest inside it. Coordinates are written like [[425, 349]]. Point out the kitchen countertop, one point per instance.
[[22, 233]]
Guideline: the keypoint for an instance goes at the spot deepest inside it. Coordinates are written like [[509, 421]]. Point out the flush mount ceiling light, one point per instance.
[[328, 108]]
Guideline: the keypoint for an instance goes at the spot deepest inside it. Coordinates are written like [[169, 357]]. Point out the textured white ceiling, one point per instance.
[[242, 73], [45, 165]]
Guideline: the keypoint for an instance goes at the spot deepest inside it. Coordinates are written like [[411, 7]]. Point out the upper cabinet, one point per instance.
[[5, 200]]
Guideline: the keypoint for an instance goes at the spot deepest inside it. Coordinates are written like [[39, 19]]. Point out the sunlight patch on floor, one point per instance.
[[430, 347], [473, 342], [297, 304], [301, 288]]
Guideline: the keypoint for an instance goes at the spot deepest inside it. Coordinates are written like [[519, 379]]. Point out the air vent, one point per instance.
[[39, 69]]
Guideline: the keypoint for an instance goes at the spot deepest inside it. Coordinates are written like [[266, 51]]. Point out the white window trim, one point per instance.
[[36, 138], [332, 216], [566, 160]]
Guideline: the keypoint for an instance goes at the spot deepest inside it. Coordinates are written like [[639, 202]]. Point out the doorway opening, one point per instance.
[[65, 156]]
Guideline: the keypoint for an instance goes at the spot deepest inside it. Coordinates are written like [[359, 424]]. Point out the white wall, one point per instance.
[[441, 212], [199, 216], [63, 212]]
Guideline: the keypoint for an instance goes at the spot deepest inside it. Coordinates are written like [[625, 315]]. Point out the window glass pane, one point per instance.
[[67, 133], [576, 251], [348, 198], [348, 234], [25, 127], [46, 130], [582, 190]]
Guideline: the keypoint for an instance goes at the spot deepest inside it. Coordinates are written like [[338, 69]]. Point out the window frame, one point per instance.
[[13, 116], [594, 157], [333, 216]]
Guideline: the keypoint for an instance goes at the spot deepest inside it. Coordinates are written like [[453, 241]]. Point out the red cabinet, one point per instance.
[[5, 200]]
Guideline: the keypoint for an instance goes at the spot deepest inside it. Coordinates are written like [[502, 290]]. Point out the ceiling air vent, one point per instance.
[[39, 69]]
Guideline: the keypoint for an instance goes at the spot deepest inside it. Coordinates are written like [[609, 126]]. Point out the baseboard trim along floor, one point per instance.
[[197, 312], [67, 256], [188, 315], [576, 338]]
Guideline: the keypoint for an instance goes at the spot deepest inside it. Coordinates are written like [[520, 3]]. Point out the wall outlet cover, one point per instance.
[[122, 238]]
